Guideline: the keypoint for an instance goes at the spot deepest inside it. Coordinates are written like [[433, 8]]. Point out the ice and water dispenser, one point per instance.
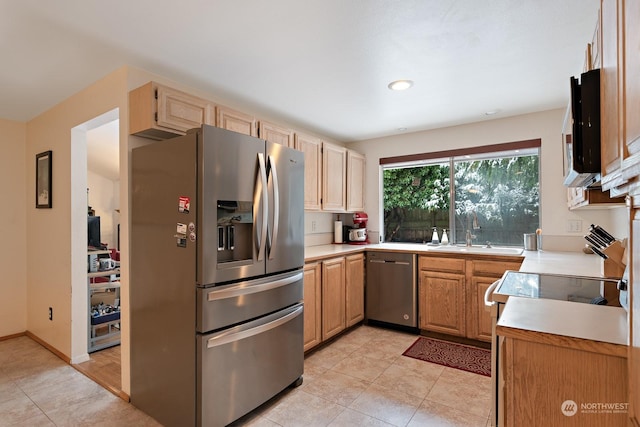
[[235, 226]]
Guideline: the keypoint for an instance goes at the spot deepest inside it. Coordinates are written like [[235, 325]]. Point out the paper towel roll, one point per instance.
[[337, 232]]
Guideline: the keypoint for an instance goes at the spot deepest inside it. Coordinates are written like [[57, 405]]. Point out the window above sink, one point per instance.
[[477, 194]]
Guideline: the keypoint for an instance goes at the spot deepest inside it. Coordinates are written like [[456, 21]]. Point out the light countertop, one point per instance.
[[549, 262], [562, 320], [567, 263]]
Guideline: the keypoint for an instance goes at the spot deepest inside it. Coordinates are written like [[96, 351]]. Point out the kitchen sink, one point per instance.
[[478, 250]]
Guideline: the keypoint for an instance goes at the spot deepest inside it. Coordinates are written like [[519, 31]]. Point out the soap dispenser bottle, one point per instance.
[[445, 239], [434, 238]]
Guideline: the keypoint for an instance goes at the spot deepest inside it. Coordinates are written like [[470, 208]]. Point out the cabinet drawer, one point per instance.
[[455, 265], [492, 268]]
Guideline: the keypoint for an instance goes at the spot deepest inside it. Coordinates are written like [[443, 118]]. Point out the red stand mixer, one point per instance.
[[358, 234]]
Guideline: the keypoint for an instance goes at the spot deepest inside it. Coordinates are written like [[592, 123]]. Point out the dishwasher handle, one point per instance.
[[382, 261]]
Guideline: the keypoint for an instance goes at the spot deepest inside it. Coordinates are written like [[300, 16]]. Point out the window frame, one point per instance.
[[486, 152]]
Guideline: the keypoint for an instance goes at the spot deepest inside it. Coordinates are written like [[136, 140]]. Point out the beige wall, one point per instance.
[[13, 251], [56, 246], [545, 125]]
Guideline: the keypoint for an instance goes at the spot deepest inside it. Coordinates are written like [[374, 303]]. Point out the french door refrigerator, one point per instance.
[[217, 250]]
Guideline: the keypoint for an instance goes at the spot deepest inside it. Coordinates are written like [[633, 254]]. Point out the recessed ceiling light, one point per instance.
[[402, 129], [491, 113], [400, 85]]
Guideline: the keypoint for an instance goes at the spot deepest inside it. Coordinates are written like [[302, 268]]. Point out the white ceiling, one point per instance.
[[320, 64]]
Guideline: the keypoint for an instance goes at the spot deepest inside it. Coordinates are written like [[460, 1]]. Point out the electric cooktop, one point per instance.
[[550, 286]]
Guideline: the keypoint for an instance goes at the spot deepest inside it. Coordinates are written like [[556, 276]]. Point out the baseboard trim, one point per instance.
[[8, 337], [119, 393], [49, 347]]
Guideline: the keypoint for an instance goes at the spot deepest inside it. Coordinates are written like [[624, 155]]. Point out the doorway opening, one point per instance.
[[95, 192]]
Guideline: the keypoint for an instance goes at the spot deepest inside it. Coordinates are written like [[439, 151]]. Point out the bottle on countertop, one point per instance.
[[435, 240], [445, 238]]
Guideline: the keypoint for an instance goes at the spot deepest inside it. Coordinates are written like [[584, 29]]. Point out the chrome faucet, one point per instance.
[[469, 238]]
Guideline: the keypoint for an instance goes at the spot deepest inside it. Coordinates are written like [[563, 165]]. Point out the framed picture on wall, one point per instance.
[[43, 180]]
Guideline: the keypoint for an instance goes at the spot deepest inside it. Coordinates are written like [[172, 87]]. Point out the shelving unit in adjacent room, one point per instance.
[[103, 308]]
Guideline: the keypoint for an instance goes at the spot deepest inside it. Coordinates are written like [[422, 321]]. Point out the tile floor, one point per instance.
[[361, 379]]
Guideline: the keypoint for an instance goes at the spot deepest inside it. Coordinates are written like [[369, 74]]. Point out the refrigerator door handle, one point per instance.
[[276, 207], [264, 199], [246, 289], [237, 336]]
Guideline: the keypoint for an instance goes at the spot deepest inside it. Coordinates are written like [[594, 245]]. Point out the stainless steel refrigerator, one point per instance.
[[217, 250]]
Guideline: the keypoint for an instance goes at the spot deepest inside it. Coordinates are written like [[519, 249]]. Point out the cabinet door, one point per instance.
[[634, 327], [312, 149], [355, 181], [236, 121], [442, 303], [159, 112], [312, 305], [276, 134], [611, 154], [479, 324], [334, 177], [180, 111], [333, 297], [354, 289], [631, 73]]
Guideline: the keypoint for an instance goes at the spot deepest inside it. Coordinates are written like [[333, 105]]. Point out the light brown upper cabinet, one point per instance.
[[334, 177], [312, 149], [160, 112], [611, 75], [355, 181], [620, 95], [276, 134], [631, 36], [236, 121]]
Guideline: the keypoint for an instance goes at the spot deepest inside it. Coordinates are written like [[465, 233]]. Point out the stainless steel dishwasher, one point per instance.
[[391, 292]]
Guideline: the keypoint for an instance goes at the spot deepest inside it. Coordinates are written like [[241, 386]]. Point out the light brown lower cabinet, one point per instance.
[[479, 325], [443, 305], [354, 288], [481, 273], [312, 305], [563, 385], [333, 297], [451, 293]]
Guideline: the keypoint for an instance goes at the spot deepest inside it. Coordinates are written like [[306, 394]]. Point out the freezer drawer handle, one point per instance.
[[237, 336], [489, 292], [247, 289]]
